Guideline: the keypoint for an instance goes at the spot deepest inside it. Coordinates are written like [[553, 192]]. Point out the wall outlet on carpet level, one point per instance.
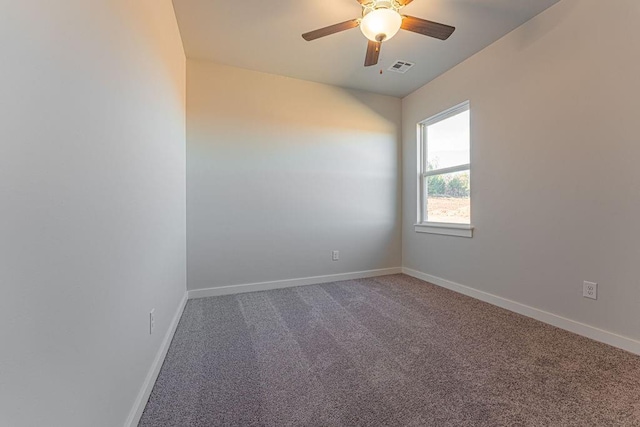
[[590, 290], [152, 321], [335, 255]]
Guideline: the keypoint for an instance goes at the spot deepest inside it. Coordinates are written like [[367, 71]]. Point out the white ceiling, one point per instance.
[[265, 36]]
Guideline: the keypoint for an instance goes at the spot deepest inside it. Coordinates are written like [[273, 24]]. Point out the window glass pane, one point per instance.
[[448, 142], [448, 198]]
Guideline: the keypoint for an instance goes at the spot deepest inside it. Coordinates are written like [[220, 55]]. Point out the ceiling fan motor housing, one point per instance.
[[386, 4]]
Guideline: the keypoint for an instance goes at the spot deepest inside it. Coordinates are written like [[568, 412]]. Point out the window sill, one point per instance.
[[457, 230]]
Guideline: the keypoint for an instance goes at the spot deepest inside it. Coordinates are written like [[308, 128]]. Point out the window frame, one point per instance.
[[422, 225]]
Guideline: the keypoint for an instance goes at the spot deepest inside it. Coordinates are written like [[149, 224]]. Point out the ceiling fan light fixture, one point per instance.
[[381, 24]]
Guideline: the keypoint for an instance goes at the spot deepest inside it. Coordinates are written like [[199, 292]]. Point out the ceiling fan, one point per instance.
[[380, 21]]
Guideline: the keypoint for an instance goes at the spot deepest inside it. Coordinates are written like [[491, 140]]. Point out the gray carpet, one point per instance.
[[389, 351]]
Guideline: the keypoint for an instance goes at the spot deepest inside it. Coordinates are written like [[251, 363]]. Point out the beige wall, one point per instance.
[[92, 208], [555, 182], [282, 171]]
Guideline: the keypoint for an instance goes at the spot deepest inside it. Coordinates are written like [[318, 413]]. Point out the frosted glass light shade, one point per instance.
[[380, 24]]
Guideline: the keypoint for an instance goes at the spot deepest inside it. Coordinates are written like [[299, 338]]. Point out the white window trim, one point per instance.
[[445, 228], [442, 228]]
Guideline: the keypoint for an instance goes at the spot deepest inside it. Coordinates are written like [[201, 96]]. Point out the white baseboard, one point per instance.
[[143, 396], [277, 284], [585, 330]]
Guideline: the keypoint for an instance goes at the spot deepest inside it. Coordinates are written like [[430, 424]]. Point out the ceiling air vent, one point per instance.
[[401, 67]]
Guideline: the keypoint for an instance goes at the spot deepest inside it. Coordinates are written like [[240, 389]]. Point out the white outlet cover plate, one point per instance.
[[152, 321], [590, 290]]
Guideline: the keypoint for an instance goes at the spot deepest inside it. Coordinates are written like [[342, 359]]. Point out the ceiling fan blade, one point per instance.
[[373, 52], [332, 29], [427, 28]]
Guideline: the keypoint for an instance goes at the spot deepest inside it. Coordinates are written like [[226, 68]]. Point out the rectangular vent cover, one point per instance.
[[401, 67]]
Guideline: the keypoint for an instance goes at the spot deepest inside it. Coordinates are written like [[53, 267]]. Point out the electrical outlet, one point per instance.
[[590, 290], [335, 255], [152, 321]]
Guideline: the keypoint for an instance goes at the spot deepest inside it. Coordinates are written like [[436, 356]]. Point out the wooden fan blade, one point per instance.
[[332, 29], [373, 52], [427, 28]]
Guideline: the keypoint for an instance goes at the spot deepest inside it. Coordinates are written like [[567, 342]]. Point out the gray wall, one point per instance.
[[555, 182], [282, 171], [92, 208]]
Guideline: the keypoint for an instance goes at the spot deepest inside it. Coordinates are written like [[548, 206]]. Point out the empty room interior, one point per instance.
[[319, 213]]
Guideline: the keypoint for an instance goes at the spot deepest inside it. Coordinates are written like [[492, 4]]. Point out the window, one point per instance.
[[444, 176]]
